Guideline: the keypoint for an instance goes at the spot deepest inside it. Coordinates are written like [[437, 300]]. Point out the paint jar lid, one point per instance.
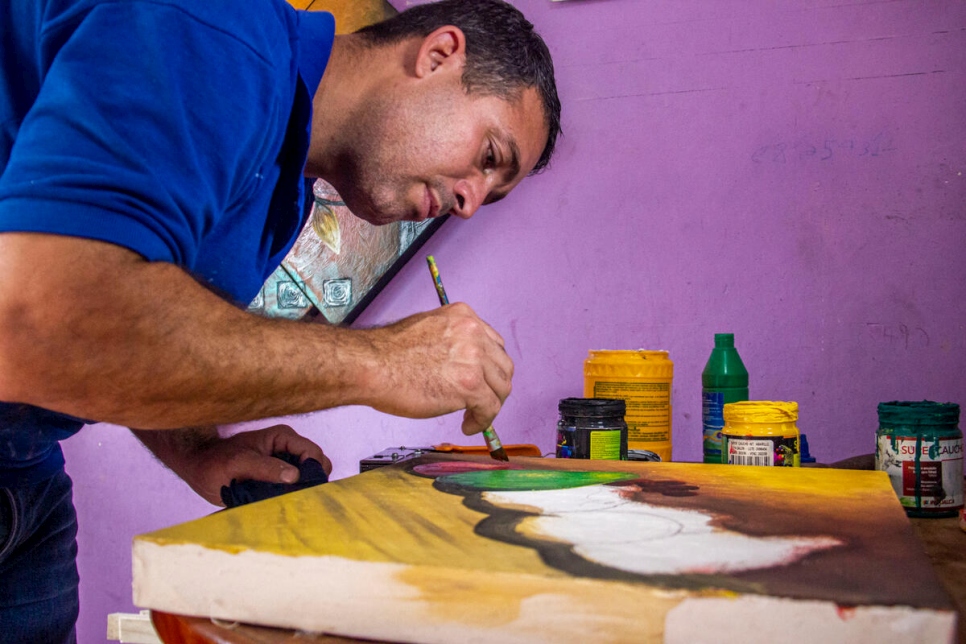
[[592, 407], [761, 411], [923, 413], [621, 363]]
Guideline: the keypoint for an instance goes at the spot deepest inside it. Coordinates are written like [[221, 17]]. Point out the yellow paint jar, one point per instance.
[[642, 379], [761, 432]]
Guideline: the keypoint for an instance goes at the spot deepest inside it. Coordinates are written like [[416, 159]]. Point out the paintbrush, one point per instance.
[[489, 434]]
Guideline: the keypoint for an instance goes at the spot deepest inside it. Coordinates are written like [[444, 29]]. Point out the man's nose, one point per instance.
[[469, 194]]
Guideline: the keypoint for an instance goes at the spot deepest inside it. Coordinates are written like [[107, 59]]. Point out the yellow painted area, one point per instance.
[[599, 610], [819, 489], [819, 482], [385, 515], [807, 485]]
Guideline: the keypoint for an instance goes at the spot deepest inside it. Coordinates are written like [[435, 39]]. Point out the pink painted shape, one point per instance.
[[455, 467]]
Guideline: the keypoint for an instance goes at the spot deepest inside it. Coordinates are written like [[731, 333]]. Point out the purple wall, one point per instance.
[[791, 172]]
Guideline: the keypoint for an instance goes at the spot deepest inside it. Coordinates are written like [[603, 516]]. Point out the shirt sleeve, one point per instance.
[[150, 123]]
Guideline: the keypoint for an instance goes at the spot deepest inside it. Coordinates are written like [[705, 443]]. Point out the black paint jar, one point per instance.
[[592, 428]]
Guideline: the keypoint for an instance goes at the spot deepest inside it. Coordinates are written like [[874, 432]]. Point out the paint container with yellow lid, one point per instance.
[[643, 380], [761, 432]]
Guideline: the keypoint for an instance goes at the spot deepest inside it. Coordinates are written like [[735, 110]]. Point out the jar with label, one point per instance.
[[592, 428], [920, 446], [642, 379], [761, 432]]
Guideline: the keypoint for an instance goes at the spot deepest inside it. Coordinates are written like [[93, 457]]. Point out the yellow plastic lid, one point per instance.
[[761, 411]]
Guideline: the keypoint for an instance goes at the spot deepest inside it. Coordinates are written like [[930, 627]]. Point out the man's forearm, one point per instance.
[[101, 334], [94, 331]]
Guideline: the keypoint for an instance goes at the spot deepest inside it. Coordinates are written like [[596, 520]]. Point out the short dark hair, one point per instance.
[[504, 55]]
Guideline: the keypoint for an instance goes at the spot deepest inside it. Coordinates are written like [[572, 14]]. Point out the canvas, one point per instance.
[[450, 548], [339, 262]]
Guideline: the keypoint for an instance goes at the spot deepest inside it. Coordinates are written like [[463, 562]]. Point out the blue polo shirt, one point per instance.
[[176, 128]]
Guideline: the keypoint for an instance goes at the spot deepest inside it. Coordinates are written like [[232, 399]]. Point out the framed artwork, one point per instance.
[[339, 263]]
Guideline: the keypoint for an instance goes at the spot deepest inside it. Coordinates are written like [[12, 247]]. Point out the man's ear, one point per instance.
[[443, 49]]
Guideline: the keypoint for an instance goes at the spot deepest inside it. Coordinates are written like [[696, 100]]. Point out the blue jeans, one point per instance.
[[38, 571]]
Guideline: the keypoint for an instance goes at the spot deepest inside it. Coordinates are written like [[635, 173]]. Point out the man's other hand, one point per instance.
[[212, 462]]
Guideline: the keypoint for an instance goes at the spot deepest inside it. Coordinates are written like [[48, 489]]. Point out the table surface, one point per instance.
[[945, 545]]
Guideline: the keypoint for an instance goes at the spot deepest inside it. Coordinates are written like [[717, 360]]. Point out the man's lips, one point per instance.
[[432, 205]]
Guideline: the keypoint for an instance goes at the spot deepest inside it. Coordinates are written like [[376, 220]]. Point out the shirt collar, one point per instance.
[[316, 31]]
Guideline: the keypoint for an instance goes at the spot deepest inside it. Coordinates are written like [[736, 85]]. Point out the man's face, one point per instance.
[[427, 149]]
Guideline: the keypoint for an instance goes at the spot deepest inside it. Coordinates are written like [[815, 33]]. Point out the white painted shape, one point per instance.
[[640, 538]]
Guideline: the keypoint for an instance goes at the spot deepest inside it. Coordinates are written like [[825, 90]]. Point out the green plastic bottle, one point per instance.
[[724, 380]]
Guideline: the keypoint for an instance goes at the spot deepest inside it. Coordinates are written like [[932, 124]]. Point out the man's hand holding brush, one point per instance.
[[435, 363]]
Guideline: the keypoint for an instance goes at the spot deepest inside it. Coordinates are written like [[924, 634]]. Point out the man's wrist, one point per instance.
[[193, 439]]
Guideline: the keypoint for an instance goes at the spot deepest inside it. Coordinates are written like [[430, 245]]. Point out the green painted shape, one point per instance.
[[529, 480]]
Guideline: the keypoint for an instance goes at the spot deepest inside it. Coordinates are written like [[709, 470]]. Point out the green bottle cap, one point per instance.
[[724, 340]]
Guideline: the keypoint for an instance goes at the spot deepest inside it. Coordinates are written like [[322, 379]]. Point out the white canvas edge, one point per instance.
[[758, 618], [368, 599]]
